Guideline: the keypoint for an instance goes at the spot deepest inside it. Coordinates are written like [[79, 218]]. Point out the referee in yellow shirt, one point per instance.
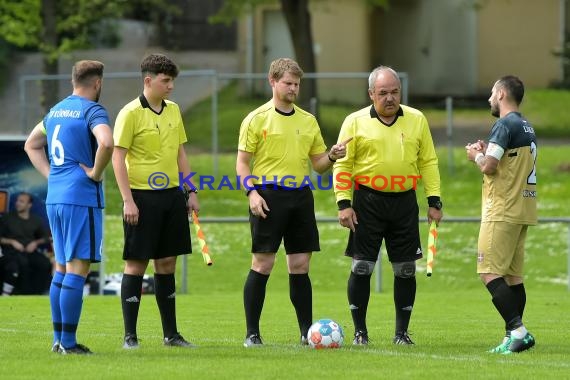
[[375, 192], [283, 141], [148, 157]]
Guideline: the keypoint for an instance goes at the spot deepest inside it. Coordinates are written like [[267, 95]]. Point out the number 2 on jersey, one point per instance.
[[531, 179]]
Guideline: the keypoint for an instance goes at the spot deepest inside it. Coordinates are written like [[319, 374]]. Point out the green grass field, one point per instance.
[[452, 329], [453, 324]]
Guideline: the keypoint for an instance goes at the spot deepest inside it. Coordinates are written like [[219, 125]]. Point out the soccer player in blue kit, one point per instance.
[[80, 145]]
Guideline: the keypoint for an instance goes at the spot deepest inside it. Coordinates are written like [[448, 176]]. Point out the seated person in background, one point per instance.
[[26, 270]]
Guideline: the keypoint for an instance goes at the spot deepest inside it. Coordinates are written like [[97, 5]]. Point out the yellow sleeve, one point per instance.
[[343, 168], [123, 131], [428, 163], [182, 138], [319, 145], [248, 138]]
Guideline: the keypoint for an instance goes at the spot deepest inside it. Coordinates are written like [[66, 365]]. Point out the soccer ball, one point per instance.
[[325, 333]]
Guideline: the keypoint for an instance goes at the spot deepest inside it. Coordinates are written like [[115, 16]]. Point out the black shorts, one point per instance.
[[163, 229], [291, 218], [392, 217]]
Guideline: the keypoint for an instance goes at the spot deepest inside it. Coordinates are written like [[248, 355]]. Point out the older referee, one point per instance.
[[375, 192]]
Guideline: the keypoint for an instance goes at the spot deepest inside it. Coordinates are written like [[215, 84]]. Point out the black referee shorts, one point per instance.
[[291, 217], [163, 229], [392, 217]]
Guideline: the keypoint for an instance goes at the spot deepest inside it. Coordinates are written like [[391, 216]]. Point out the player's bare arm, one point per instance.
[[322, 162], [34, 147], [104, 136], [476, 152], [130, 209]]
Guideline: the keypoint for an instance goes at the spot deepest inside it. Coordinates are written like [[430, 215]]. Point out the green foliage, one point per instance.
[[76, 21], [379, 3], [231, 10], [150, 10], [20, 22], [548, 112]]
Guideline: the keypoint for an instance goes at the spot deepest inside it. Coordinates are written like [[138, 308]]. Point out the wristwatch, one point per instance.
[[438, 205], [187, 190]]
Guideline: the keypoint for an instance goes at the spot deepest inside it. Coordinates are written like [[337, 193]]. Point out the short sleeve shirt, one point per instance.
[[68, 127], [509, 195], [152, 140], [281, 144]]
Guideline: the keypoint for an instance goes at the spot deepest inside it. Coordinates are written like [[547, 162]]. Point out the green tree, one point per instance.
[[57, 27], [298, 18], [53, 27]]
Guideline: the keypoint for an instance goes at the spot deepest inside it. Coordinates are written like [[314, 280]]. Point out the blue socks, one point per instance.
[[70, 303], [54, 293]]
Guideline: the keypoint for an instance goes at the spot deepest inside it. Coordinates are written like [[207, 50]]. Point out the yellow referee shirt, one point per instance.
[[152, 141], [281, 144], [386, 158]]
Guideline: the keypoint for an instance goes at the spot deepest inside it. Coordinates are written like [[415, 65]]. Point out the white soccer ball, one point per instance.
[[325, 333]]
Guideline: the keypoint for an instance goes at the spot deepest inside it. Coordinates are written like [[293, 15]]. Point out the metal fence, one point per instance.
[[378, 269], [193, 86]]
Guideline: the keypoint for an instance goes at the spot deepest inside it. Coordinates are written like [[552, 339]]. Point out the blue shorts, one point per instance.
[[77, 232]]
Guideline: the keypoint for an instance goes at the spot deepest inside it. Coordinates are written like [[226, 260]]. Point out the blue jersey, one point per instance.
[[68, 127]]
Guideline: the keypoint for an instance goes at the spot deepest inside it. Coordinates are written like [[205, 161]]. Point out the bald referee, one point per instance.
[[375, 192], [277, 144]]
